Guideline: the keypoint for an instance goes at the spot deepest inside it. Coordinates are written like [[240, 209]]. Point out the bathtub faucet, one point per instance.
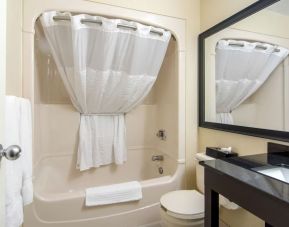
[[157, 158]]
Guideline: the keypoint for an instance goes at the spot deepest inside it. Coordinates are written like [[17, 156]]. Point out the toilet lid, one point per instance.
[[184, 204]]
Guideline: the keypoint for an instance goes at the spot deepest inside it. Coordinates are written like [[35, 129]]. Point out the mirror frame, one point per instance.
[[257, 132]]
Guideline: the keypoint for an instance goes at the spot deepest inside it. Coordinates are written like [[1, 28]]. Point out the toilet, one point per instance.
[[186, 207], [182, 208]]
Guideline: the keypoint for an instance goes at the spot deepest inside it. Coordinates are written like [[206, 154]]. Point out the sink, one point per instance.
[[277, 172]]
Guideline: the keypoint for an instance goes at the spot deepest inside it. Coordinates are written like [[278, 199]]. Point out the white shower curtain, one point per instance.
[[241, 68], [107, 71]]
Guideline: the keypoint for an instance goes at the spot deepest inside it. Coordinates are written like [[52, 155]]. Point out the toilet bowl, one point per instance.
[[182, 208], [186, 207]]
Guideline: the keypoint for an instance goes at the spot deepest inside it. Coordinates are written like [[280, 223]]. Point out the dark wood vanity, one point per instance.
[[243, 181]]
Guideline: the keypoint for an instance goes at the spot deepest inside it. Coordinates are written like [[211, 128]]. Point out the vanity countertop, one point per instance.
[[252, 169]]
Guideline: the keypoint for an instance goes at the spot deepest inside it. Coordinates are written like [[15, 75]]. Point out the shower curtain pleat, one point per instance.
[[107, 71], [241, 69]]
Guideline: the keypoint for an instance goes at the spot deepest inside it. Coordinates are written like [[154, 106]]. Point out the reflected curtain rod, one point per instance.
[[100, 23], [257, 46]]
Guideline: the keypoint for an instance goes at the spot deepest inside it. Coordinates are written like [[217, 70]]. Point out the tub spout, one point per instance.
[[157, 158]]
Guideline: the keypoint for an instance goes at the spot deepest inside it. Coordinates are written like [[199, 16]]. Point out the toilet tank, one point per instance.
[[200, 170]]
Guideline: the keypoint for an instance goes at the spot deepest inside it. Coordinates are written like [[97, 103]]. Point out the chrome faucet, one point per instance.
[[157, 158], [162, 134]]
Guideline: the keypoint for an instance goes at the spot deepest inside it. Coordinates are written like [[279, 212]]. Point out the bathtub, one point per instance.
[[60, 191]]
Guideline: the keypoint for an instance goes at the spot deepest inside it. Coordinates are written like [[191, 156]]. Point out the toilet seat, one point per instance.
[[184, 204]]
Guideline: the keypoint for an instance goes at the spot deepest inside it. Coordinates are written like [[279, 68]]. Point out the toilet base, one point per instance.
[[169, 221]]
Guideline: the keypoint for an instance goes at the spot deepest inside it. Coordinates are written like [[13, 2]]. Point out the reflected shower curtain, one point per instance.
[[107, 71], [241, 69]]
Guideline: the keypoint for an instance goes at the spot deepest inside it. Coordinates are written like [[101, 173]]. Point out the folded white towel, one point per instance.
[[18, 173], [115, 193]]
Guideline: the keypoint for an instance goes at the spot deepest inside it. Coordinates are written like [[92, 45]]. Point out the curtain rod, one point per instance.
[[100, 23], [257, 46]]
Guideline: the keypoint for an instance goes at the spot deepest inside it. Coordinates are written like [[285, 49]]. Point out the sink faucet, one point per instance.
[[157, 158]]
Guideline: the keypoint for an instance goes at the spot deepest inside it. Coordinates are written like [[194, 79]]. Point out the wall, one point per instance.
[[212, 12], [215, 11], [261, 21], [14, 45], [166, 98]]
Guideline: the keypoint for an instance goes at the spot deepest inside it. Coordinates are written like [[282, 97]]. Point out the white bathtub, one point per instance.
[[60, 191]]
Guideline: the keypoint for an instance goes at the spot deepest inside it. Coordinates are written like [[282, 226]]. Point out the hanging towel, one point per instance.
[[18, 173], [115, 193]]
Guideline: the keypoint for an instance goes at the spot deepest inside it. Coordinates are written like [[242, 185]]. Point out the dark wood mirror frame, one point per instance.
[[257, 132]]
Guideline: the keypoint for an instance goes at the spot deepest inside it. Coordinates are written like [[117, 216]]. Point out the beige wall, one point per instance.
[[266, 22], [212, 12], [14, 45]]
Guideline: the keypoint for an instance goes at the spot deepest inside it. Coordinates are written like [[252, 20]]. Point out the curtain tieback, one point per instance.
[[224, 112], [101, 114]]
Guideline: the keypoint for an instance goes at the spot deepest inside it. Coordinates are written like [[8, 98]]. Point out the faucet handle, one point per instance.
[[161, 134]]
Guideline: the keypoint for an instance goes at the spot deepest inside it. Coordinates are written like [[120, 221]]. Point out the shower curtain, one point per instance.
[[241, 69], [107, 70]]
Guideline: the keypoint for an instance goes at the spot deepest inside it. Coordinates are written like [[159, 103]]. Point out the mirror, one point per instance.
[[244, 72]]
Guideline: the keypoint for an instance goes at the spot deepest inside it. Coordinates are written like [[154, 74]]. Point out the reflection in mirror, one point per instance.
[[247, 71], [241, 69]]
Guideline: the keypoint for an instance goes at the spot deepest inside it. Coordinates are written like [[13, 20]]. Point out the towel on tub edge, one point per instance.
[[115, 193]]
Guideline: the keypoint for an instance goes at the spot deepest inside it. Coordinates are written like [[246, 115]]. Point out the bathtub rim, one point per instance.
[[145, 183], [177, 179]]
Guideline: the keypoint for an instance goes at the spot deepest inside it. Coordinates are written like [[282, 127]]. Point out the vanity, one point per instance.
[[258, 183]]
